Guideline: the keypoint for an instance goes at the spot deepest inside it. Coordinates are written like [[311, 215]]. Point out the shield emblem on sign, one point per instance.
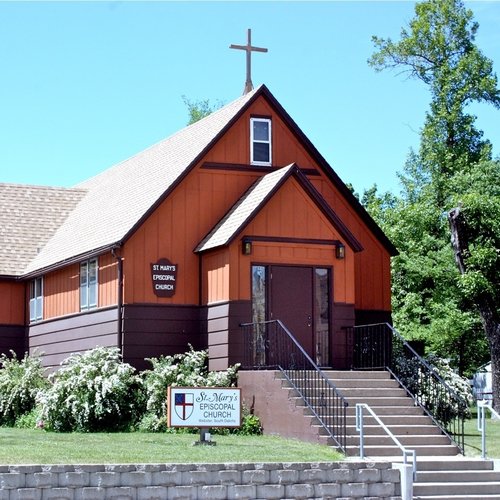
[[184, 404]]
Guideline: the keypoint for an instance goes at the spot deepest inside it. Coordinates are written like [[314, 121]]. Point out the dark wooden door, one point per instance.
[[291, 301]]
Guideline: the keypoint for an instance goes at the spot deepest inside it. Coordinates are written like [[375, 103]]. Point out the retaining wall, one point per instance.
[[346, 480]]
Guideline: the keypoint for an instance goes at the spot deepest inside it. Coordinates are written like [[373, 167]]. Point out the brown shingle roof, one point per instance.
[[119, 198], [29, 217], [106, 209]]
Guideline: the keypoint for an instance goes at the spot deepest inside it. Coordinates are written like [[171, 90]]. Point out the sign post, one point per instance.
[[204, 407]]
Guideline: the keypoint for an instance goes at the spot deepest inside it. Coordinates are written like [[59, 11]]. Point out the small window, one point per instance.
[[260, 140], [36, 300], [88, 284]]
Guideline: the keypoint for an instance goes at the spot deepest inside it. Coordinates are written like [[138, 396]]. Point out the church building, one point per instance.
[[234, 219]]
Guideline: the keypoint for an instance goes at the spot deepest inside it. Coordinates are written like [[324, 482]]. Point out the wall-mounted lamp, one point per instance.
[[246, 247], [339, 251]]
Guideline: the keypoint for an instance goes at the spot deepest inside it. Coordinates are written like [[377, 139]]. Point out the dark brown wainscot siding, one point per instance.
[[151, 330], [13, 337], [57, 339], [341, 353], [224, 333]]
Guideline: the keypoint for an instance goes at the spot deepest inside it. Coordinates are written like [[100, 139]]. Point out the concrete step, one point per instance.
[[397, 430], [373, 392], [410, 421], [357, 374], [390, 451], [385, 412], [462, 488], [460, 464], [456, 497], [344, 384], [458, 476], [375, 402], [407, 441]]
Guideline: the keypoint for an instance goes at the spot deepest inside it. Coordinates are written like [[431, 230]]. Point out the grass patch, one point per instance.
[[473, 437], [24, 446]]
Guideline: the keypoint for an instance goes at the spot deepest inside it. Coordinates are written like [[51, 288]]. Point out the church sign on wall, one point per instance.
[[164, 277]]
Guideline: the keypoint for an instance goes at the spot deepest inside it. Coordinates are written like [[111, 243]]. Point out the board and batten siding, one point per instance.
[[292, 214], [12, 295], [61, 288], [12, 317], [372, 265], [205, 195]]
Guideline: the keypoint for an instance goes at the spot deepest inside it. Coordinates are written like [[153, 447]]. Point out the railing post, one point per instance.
[[359, 428], [481, 426]]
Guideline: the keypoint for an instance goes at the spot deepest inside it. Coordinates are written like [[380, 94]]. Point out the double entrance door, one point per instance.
[[301, 298]]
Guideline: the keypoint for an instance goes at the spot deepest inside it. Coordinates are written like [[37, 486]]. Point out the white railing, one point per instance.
[[481, 421], [407, 453]]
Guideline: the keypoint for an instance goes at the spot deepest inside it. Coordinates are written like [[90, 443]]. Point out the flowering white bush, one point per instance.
[[20, 383], [446, 407], [92, 391], [188, 369]]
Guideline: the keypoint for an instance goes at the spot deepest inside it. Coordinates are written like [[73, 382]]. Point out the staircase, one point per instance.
[[456, 479], [442, 472], [406, 421]]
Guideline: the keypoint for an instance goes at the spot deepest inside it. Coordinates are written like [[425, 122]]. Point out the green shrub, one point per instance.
[[20, 383], [91, 392], [31, 420], [250, 426], [180, 370]]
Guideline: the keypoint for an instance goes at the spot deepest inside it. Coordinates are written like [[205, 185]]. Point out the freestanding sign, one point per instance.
[[204, 407], [164, 277]]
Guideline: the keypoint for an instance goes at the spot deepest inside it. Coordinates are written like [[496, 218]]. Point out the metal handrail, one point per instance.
[[359, 427], [283, 352], [376, 347], [481, 422]]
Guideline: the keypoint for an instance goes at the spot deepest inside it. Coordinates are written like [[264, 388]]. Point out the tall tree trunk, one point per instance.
[[485, 303]]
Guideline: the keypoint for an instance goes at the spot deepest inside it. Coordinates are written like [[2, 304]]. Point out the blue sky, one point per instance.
[[85, 85]]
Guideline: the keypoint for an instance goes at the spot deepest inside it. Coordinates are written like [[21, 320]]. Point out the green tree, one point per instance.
[[475, 235], [200, 108], [437, 47]]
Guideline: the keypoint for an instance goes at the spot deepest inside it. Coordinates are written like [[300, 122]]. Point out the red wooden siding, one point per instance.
[[373, 290], [216, 273], [62, 288], [292, 214], [61, 292], [204, 196], [108, 281], [12, 295]]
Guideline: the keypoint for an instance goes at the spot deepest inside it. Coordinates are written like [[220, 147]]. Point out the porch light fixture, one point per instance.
[[339, 250], [246, 247]]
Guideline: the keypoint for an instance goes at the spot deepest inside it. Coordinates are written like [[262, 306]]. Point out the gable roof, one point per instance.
[[29, 217], [117, 201], [247, 207]]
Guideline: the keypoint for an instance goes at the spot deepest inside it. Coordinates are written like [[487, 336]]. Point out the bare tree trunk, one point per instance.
[[485, 303]]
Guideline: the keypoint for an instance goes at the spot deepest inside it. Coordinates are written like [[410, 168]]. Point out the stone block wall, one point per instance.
[[341, 480]]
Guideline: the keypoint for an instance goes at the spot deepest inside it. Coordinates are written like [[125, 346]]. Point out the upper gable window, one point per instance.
[[36, 300], [260, 141], [88, 284]]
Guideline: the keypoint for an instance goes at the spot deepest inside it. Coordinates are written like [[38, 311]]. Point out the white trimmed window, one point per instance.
[[88, 284], [36, 299], [260, 141]]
